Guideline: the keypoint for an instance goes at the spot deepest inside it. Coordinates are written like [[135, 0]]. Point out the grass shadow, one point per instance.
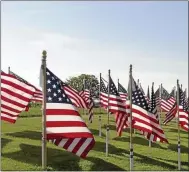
[[4, 142], [96, 132], [138, 140], [174, 147], [34, 135], [56, 159], [111, 127], [101, 165], [176, 162], [176, 131], [100, 146]]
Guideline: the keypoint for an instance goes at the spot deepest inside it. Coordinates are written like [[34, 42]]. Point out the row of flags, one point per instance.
[[64, 125]]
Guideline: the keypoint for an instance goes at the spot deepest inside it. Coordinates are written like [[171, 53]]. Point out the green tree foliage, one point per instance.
[[77, 82]]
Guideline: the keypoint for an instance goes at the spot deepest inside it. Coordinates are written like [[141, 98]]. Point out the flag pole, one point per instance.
[[84, 112], [44, 149], [179, 149], [9, 70], [107, 127], [130, 98], [100, 120], [160, 114]]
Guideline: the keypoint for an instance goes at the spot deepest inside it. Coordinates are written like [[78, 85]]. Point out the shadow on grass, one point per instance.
[[57, 159], [100, 146], [96, 132], [111, 127], [176, 131], [176, 162], [34, 135], [138, 140], [4, 142], [174, 147]]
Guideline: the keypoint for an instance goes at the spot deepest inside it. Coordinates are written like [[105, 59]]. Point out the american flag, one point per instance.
[[145, 96], [148, 95], [86, 94], [122, 92], [117, 106], [153, 110], [38, 96], [171, 98], [162, 101], [183, 111], [63, 122], [144, 119], [171, 114], [76, 99], [103, 94], [15, 96]]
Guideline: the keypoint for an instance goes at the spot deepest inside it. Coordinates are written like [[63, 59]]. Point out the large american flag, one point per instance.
[[63, 122], [144, 119], [15, 96], [38, 96], [122, 92]]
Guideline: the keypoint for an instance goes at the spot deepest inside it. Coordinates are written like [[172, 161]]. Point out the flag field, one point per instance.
[[21, 148]]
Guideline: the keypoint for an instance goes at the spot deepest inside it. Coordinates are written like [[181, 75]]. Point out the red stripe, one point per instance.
[[69, 135], [61, 112], [11, 93], [87, 149], [65, 124], [68, 143], [16, 86], [8, 119], [12, 102], [9, 108], [78, 145]]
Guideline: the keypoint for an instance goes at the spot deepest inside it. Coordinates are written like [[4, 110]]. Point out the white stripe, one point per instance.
[[63, 118], [84, 146], [67, 130], [8, 111], [73, 144], [13, 98], [17, 82], [60, 106], [11, 105], [7, 116], [62, 142], [18, 91]]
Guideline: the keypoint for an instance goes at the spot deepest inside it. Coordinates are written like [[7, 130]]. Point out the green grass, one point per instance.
[[21, 149]]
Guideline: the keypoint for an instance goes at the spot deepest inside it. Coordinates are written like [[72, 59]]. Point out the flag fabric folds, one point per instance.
[[122, 92], [144, 119], [15, 96], [38, 96], [63, 122]]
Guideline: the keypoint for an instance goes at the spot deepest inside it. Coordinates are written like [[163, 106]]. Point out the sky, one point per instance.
[[93, 37]]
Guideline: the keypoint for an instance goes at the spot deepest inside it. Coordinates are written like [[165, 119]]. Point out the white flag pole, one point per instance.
[[107, 127], [179, 149], [44, 149], [130, 99]]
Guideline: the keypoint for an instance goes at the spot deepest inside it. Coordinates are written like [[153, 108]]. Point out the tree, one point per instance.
[[77, 83]]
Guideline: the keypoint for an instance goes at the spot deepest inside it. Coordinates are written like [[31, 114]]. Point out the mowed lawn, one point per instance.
[[21, 148]]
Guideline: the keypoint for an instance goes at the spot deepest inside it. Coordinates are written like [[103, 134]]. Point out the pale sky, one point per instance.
[[92, 37]]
